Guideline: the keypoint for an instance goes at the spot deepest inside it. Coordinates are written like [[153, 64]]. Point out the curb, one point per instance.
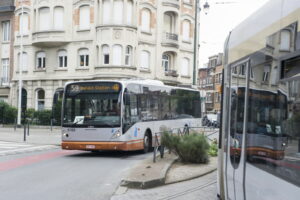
[[150, 183]]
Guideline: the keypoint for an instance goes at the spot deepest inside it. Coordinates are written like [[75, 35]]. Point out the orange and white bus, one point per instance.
[[124, 115]]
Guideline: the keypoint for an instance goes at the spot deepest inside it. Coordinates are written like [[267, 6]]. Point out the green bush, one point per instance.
[[191, 148], [9, 113], [213, 149], [42, 117]]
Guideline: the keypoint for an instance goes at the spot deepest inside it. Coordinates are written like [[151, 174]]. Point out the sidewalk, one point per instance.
[[176, 180], [36, 136]]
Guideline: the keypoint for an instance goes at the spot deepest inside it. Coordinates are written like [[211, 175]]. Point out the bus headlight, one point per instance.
[[116, 134]]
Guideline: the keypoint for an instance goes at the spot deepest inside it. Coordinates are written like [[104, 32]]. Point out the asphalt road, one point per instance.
[[62, 175]]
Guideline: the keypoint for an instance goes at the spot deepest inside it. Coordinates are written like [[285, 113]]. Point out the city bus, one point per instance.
[[124, 115], [259, 144]]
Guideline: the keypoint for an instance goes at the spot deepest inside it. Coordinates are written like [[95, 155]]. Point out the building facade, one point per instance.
[[6, 47], [98, 40], [210, 84]]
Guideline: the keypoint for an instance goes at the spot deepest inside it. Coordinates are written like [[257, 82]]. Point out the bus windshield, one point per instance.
[[92, 105]]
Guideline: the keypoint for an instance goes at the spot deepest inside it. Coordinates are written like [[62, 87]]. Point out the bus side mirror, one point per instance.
[[126, 99]]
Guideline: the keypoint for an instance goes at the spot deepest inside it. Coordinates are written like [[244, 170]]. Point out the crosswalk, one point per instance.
[[11, 148]]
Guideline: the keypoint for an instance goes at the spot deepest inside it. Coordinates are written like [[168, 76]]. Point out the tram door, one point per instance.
[[236, 133]]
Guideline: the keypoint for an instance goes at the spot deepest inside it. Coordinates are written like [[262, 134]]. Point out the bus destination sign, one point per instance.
[[94, 87]]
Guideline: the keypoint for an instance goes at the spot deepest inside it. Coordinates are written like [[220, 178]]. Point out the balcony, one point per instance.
[[170, 39], [52, 38], [172, 73], [4, 82]]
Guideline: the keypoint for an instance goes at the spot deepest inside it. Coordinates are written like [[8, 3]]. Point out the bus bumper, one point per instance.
[[91, 146]]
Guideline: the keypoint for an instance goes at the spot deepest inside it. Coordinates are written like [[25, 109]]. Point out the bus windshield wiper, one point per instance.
[[80, 120]]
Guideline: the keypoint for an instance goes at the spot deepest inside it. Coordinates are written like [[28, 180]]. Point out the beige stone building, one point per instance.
[[6, 47], [68, 40]]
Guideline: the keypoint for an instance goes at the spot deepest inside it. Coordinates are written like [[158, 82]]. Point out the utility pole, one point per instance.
[[195, 41], [21, 65]]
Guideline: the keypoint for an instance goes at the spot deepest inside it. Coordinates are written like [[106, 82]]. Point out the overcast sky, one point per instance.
[[222, 17]]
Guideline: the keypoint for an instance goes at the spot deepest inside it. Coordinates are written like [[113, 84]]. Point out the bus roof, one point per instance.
[[135, 81], [270, 13]]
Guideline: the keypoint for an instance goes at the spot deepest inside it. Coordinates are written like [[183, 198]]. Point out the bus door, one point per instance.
[[236, 137]]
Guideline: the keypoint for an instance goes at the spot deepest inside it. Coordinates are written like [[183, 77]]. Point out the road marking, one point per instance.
[[19, 162], [10, 148]]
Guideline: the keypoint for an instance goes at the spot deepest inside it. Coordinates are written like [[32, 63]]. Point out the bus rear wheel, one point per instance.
[[147, 143]]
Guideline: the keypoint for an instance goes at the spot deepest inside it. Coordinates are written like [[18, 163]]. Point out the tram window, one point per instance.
[[273, 128], [237, 102]]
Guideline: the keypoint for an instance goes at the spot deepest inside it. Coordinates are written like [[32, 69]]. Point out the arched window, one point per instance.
[[117, 54], [83, 57], [40, 99], [186, 30], [22, 61], [185, 63], [285, 40], [105, 54], [84, 17], [129, 12], [118, 12], [62, 58], [128, 56], [58, 18], [166, 62], [145, 59], [169, 22], [24, 24], [41, 60], [44, 19], [146, 18], [106, 10]]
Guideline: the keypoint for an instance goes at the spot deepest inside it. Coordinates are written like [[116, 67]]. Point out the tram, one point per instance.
[[259, 148]]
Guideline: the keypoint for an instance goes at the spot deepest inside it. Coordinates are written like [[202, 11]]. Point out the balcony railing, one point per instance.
[[171, 73], [4, 81], [171, 36], [170, 39]]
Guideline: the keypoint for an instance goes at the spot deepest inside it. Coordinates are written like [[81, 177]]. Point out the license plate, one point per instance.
[[261, 153], [90, 146]]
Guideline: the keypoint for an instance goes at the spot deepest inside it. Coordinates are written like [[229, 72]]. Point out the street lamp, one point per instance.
[[198, 9], [21, 64]]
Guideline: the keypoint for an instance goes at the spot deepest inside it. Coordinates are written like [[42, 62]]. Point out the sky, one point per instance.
[[222, 17]]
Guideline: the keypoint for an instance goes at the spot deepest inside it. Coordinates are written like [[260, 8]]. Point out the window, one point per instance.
[[242, 69], [285, 40], [5, 72], [118, 12], [146, 18], [129, 12], [6, 31], [105, 53], [169, 22], [145, 59], [128, 56], [62, 58], [166, 62], [117, 55], [186, 30], [58, 18], [44, 19], [40, 99], [185, 62], [84, 17], [41, 60], [24, 24], [266, 73], [106, 10], [84, 57], [22, 62]]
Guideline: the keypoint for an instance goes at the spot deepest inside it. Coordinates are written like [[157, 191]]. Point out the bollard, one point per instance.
[[24, 132], [15, 126], [51, 123], [28, 128]]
